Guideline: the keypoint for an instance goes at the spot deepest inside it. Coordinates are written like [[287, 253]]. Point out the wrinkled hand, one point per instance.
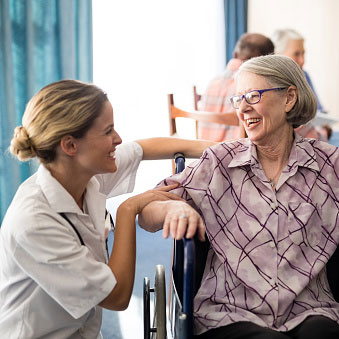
[[182, 220], [138, 202]]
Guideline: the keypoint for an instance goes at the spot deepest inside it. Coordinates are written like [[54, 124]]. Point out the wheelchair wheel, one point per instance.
[[158, 331], [147, 312], [159, 303]]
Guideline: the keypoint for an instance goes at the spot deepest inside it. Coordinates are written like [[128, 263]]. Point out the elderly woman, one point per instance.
[[290, 43], [270, 206]]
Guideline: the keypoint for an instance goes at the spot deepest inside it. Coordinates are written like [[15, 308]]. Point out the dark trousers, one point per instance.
[[313, 327]]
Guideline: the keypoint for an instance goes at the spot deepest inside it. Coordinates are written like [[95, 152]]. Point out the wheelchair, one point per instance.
[[185, 280], [188, 264]]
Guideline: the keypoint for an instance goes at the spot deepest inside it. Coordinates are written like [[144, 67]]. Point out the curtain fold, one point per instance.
[[235, 23], [41, 41]]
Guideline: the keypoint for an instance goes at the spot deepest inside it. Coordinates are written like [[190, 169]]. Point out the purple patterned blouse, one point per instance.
[[269, 247]]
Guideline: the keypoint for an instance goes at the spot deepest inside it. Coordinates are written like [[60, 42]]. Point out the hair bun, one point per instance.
[[21, 145]]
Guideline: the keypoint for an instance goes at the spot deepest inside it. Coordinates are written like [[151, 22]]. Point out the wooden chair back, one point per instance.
[[230, 119], [196, 98]]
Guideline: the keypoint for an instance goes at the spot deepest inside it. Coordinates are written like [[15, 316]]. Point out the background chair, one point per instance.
[[196, 98], [230, 119], [175, 112]]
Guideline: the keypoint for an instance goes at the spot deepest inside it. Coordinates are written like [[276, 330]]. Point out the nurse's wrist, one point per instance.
[[127, 209]]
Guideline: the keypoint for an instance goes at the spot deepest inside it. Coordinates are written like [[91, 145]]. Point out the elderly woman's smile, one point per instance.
[[265, 118], [252, 122]]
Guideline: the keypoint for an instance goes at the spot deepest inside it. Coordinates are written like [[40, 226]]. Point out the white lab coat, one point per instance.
[[50, 285]]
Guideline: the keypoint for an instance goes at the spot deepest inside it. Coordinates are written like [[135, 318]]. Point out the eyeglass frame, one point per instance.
[[261, 91]]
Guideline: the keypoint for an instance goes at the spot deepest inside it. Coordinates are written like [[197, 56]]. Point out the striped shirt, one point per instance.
[[216, 100]]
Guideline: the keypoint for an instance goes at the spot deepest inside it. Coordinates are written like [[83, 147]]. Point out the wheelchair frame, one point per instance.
[[181, 296]]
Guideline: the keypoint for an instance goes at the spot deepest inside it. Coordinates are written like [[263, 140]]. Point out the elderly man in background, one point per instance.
[[216, 97]]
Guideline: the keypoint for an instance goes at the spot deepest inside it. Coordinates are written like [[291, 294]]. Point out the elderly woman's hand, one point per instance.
[[175, 216], [182, 220]]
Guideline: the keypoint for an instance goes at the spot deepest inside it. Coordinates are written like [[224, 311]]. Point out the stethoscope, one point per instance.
[[78, 234]]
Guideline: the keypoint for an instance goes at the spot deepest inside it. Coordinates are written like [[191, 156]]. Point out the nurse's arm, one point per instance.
[[122, 259], [165, 148]]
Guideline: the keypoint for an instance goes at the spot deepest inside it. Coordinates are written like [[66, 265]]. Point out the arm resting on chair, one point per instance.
[[177, 218], [165, 148]]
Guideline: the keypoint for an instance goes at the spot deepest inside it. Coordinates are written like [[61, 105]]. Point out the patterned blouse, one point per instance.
[[269, 247]]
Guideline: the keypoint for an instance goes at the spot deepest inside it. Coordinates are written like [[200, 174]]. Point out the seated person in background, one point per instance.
[[55, 272], [216, 97], [270, 206], [290, 43]]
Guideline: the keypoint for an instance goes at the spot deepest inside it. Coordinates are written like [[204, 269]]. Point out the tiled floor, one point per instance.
[[152, 249]]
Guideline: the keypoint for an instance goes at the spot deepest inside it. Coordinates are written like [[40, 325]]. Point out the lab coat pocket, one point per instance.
[[304, 224]]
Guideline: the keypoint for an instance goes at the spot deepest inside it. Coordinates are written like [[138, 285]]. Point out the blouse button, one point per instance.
[[273, 205], [272, 282], [272, 244]]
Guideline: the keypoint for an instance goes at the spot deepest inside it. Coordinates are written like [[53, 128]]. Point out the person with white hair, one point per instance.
[[291, 43]]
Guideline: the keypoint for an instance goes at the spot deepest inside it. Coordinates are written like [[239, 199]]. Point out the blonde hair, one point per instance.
[[66, 107], [282, 71]]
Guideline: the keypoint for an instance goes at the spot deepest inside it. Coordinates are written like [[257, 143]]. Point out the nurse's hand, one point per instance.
[[122, 259], [138, 202], [182, 220]]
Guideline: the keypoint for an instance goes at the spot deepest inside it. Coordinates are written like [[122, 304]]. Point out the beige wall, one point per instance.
[[317, 21]]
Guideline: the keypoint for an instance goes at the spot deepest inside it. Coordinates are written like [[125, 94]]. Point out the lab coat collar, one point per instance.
[[61, 201]]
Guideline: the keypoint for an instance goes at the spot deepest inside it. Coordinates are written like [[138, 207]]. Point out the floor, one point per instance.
[[152, 249]]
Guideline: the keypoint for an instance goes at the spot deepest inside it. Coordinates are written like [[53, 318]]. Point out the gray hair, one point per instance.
[[282, 71], [281, 37]]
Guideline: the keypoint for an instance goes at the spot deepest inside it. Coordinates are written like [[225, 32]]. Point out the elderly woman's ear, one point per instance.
[[291, 98]]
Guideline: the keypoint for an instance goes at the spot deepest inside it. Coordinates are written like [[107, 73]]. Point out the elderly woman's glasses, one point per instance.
[[252, 97]]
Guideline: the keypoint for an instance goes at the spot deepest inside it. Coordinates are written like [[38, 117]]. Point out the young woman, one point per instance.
[[55, 274]]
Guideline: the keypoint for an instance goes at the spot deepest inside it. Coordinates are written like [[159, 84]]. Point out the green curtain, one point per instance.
[[41, 41], [235, 23]]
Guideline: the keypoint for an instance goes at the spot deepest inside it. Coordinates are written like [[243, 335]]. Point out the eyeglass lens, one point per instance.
[[251, 98]]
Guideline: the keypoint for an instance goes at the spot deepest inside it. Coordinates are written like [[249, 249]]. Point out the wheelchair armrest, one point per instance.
[[179, 160]]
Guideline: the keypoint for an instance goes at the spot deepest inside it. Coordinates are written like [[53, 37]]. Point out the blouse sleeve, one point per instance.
[[193, 181]]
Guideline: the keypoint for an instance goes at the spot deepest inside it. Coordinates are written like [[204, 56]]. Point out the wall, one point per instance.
[[144, 50], [317, 21]]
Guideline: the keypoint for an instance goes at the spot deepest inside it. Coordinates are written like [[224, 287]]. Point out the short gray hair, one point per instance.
[[282, 71], [281, 37]]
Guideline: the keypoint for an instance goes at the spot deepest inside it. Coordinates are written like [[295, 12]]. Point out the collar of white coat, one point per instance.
[[59, 198]]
